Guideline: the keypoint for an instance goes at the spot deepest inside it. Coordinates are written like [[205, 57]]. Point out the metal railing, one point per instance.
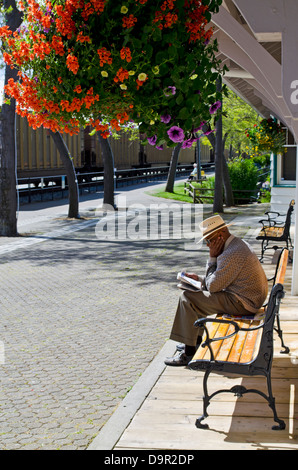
[[45, 188]]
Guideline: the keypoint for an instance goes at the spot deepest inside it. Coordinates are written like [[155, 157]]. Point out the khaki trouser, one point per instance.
[[195, 305]]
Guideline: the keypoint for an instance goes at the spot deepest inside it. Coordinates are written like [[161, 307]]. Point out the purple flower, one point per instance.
[[176, 134], [152, 140], [159, 147], [209, 132], [200, 126], [214, 107], [171, 90], [188, 143], [165, 118]]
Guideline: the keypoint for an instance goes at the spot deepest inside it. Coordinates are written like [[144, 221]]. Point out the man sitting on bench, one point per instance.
[[235, 283]]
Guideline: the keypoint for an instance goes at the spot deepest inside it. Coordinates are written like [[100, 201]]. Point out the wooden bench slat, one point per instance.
[[226, 345], [202, 353], [281, 272], [271, 232], [221, 331], [236, 351], [214, 331], [231, 349], [250, 345]]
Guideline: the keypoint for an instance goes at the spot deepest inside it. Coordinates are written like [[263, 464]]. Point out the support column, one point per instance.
[[295, 253]]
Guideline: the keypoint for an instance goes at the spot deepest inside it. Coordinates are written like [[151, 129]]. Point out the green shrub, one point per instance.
[[244, 175], [262, 160]]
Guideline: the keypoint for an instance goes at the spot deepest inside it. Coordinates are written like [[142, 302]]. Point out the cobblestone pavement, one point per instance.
[[81, 319]]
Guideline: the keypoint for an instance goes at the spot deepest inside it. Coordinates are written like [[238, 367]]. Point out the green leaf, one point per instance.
[[163, 70], [172, 51], [175, 76], [183, 113], [180, 99], [157, 35], [184, 86], [160, 57], [196, 101], [149, 50], [189, 103], [208, 16]]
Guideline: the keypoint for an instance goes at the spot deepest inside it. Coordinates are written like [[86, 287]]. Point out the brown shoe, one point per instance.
[[180, 360]]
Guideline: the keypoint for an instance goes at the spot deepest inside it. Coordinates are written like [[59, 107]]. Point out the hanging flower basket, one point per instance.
[[267, 136], [106, 64]]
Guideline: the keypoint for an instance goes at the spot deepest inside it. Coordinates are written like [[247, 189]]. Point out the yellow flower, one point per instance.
[[194, 76], [123, 87], [131, 72], [124, 9], [142, 77], [104, 73], [152, 122], [155, 69]]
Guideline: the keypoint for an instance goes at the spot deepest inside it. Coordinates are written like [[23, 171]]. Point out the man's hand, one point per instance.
[[216, 246], [192, 276]]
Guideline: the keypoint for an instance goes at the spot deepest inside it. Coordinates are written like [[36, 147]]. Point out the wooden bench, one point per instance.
[[242, 346], [275, 231]]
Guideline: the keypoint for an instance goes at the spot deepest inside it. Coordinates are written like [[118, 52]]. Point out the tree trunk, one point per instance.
[[73, 190], [218, 193], [8, 179], [172, 169], [108, 162], [222, 176], [225, 171], [229, 197]]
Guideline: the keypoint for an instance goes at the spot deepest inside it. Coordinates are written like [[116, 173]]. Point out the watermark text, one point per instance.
[[160, 221]]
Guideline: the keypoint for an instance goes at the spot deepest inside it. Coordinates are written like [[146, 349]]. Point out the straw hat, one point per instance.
[[211, 225]]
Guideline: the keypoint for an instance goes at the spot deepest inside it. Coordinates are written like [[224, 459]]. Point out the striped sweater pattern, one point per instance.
[[238, 271]]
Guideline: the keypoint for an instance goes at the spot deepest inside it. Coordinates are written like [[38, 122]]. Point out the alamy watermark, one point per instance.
[[294, 94], [160, 221]]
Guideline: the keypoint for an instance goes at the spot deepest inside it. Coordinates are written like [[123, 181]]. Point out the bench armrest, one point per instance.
[[274, 215], [267, 223], [202, 323]]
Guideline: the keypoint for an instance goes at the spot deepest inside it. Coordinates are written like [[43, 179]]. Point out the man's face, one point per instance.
[[212, 238]]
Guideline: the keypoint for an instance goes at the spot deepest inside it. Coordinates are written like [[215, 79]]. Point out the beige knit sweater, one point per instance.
[[238, 270]]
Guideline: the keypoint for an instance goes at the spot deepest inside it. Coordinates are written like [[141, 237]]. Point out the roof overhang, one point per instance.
[[253, 39]]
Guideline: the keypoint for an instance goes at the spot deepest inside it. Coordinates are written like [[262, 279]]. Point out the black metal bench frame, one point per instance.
[[261, 365], [272, 222]]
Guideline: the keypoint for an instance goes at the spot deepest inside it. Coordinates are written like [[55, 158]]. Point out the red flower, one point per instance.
[[72, 63], [129, 21]]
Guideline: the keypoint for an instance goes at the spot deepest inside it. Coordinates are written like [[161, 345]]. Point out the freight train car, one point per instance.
[[37, 155]]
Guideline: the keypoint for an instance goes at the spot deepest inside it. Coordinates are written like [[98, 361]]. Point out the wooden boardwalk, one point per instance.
[[166, 419]]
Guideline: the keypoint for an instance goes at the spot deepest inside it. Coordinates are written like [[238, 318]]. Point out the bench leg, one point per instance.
[[239, 391], [271, 401], [279, 332], [206, 402], [263, 248]]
